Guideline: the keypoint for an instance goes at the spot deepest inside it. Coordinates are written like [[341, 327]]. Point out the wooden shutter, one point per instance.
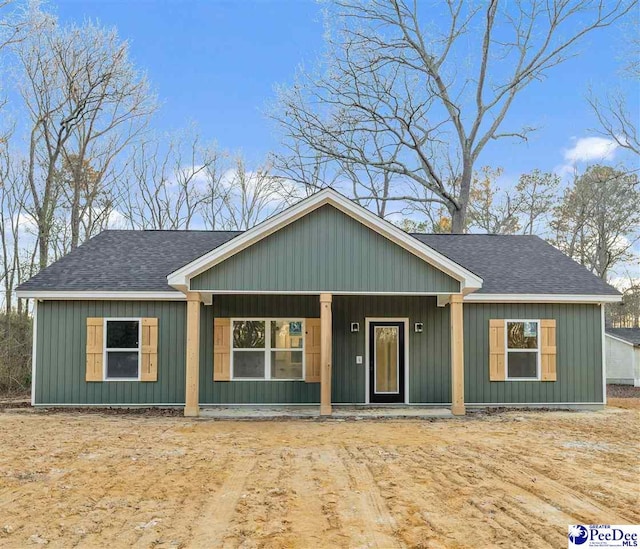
[[548, 349], [497, 371], [312, 350], [95, 349], [149, 350], [222, 349]]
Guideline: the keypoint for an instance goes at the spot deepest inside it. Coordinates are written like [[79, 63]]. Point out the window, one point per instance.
[[122, 349], [523, 349], [269, 349]]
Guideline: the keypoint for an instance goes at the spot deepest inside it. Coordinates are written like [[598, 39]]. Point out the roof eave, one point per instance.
[[543, 298], [93, 295]]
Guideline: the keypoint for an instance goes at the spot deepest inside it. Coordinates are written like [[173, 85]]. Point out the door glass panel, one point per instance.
[[386, 359]]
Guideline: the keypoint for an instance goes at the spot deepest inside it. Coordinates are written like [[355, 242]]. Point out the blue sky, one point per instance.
[[216, 62]]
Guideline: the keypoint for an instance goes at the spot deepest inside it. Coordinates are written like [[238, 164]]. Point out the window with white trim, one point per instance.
[[267, 349], [523, 349], [122, 349]]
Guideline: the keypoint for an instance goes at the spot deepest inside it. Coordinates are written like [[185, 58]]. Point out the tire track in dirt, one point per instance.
[[261, 514], [375, 513], [218, 511], [575, 504], [313, 517], [348, 496], [608, 495], [446, 502]]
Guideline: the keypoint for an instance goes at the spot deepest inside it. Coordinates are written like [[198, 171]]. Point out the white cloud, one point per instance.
[[116, 220], [587, 149]]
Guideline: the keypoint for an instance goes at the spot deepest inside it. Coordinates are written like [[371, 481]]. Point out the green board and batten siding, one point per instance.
[[61, 342], [325, 251], [61, 353], [579, 354]]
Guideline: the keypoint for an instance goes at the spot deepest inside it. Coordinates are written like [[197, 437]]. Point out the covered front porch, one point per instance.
[[340, 360], [349, 280]]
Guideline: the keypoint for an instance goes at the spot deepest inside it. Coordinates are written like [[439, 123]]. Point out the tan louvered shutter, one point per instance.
[[497, 370], [149, 350], [222, 349], [312, 350], [95, 349], [548, 349]]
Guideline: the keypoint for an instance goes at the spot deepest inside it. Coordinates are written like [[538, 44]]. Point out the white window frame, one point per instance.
[[536, 350], [267, 348], [106, 349]]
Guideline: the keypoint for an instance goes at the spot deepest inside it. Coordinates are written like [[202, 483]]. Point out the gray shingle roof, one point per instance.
[[632, 335], [517, 264], [127, 261], [141, 261]]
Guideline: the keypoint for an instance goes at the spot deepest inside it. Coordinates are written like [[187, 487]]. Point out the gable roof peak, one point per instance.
[[469, 281]]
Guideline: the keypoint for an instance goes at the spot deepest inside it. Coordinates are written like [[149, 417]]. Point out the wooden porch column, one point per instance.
[[457, 356], [326, 325], [191, 408]]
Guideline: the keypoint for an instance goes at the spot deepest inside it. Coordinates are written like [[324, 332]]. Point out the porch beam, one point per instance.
[[326, 328], [191, 408], [457, 355]]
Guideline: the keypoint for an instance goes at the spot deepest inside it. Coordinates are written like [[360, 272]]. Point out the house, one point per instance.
[[623, 356], [324, 303]]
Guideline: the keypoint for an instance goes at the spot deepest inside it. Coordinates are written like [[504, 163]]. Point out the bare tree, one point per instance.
[[251, 196], [394, 80], [597, 221], [536, 196], [616, 118], [167, 186], [488, 211], [627, 313], [311, 171], [85, 103], [16, 244]]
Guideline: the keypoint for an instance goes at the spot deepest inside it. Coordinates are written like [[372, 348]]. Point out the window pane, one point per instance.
[[248, 364], [522, 335], [386, 359], [286, 334], [248, 334], [122, 364], [522, 365], [286, 364], [122, 334]]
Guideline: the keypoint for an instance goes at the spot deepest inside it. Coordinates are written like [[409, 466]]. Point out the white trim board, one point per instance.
[[316, 292], [529, 404], [98, 295], [603, 364], [33, 353], [180, 278], [541, 298]]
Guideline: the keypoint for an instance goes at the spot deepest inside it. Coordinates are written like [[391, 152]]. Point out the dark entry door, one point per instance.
[[386, 362]]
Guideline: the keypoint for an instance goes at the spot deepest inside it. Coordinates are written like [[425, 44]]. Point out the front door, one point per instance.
[[386, 362]]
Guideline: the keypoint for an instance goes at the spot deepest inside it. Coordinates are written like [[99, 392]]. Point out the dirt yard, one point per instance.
[[515, 479]]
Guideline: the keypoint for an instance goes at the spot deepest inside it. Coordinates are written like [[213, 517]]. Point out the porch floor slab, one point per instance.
[[313, 411]]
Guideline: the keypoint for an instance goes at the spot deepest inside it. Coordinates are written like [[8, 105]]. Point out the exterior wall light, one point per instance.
[[418, 327], [355, 327]]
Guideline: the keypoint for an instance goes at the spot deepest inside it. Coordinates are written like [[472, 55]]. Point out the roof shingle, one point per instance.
[[630, 335], [118, 260]]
